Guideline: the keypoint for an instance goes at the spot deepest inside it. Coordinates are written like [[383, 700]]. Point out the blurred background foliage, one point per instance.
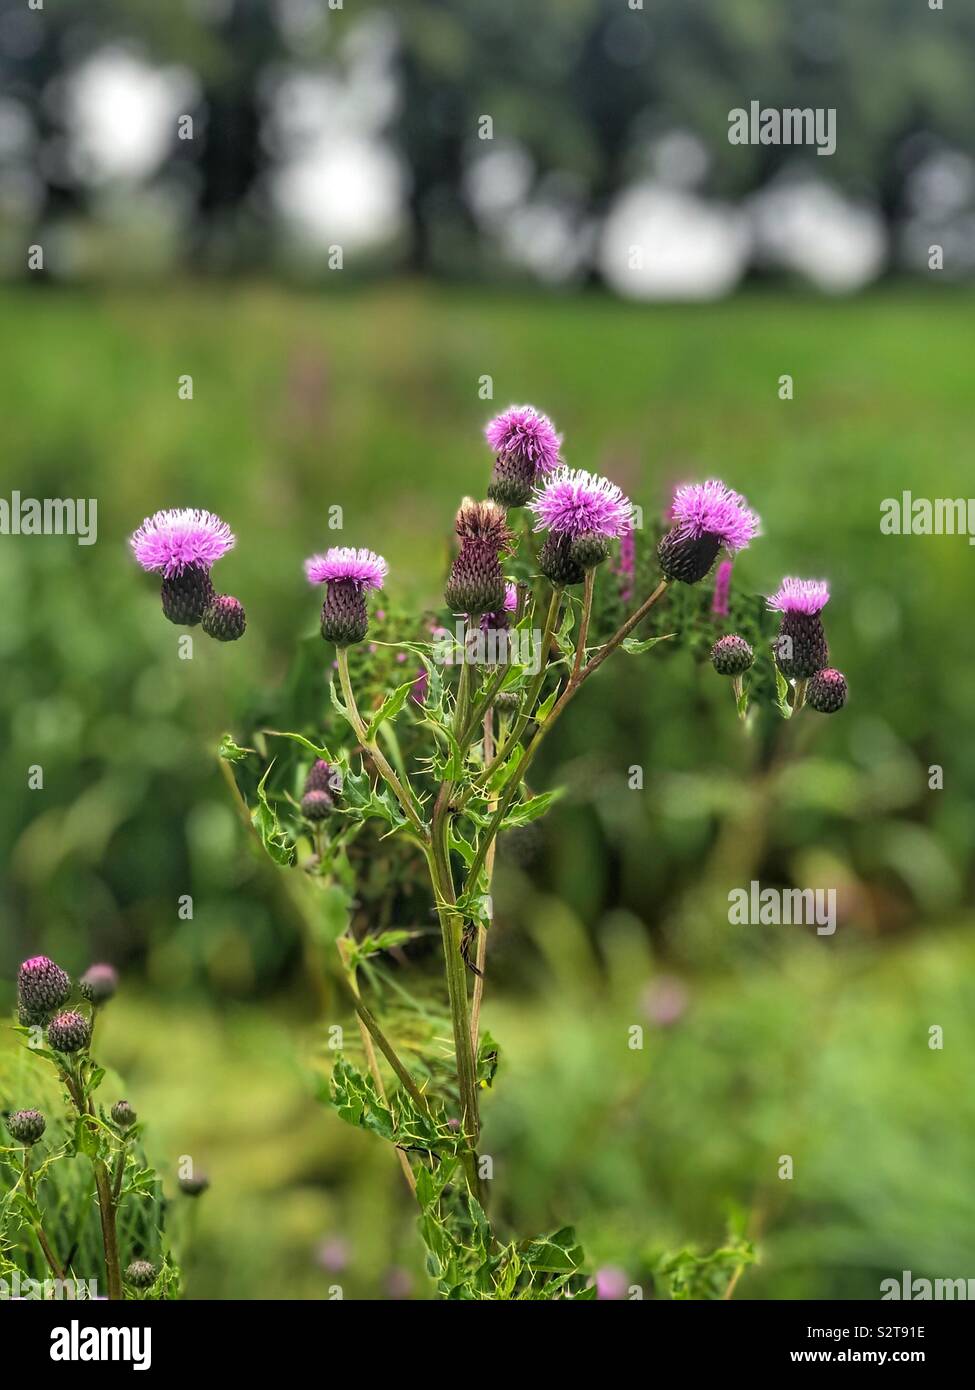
[[364, 391]]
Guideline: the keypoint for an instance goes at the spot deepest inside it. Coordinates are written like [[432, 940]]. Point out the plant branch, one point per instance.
[[404, 797]]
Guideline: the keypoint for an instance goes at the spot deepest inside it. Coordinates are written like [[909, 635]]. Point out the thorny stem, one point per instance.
[[481, 958], [519, 725], [584, 622], [574, 683], [103, 1185], [404, 797], [42, 1240]]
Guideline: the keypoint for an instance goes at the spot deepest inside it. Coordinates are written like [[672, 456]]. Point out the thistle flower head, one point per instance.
[[711, 509], [26, 1126], [42, 987], [99, 983], [827, 691], [575, 503], [141, 1274], [363, 567], [224, 618], [731, 655], [483, 521], [123, 1114], [522, 433], [194, 1186], [510, 597], [69, 1032], [178, 537], [809, 596]]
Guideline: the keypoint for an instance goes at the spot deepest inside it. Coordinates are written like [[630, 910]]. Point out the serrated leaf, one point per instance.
[[524, 812], [635, 647], [389, 709], [274, 839], [231, 752], [322, 753]]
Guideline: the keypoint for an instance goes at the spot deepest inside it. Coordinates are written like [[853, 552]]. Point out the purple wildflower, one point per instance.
[[347, 575], [526, 446], [706, 517], [801, 648], [827, 691], [179, 537], [333, 1255], [476, 583], [722, 590], [418, 692], [611, 1283], [665, 1000], [26, 1126], [182, 543], [69, 1032], [99, 983], [42, 987], [575, 503], [731, 655], [807, 596], [627, 563]]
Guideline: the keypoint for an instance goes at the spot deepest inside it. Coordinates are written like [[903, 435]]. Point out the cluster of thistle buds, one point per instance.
[[321, 785], [800, 649], [182, 544]]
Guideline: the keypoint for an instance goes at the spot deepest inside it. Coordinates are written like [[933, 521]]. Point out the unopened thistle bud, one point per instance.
[[348, 575], [182, 543], [123, 1114], [582, 513], [731, 655], [707, 516], [477, 584], [800, 648], [141, 1274], [827, 691], [316, 805], [526, 446], [195, 1186], [224, 618], [42, 987], [69, 1032], [26, 1126], [321, 777], [507, 701], [99, 983]]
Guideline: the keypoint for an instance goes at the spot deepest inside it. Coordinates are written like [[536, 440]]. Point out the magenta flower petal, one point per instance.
[[807, 596], [178, 537], [573, 502], [364, 567], [510, 597], [711, 509], [521, 432]]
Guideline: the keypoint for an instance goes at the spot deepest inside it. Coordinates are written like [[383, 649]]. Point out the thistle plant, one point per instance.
[[440, 762], [57, 1020]]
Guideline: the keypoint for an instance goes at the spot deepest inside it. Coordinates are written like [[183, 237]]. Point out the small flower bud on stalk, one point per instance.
[[42, 987], [348, 575], [123, 1114], [224, 619], [69, 1032], [731, 655], [99, 983], [182, 543], [141, 1274], [707, 516], [526, 446], [26, 1126], [827, 691], [195, 1186]]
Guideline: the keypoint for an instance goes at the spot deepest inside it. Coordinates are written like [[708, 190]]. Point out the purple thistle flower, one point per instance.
[[706, 517], [362, 567], [611, 1283], [26, 1126], [722, 590], [809, 596], [69, 1032], [526, 447], [801, 648], [99, 983], [347, 575], [575, 503], [180, 537], [827, 691], [42, 987], [418, 693], [476, 583]]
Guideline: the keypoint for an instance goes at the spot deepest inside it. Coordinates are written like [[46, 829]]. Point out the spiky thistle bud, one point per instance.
[[800, 647], [69, 1032], [26, 1126], [321, 777], [477, 584], [194, 1186], [707, 516], [99, 983], [141, 1274], [507, 701], [187, 595], [556, 562], [347, 574], [316, 805], [123, 1114], [42, 987], [731, 655], [224, 618], [827, 691], [525, 445]]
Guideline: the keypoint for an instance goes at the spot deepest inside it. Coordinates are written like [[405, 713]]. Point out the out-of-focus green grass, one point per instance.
[[368, 400]]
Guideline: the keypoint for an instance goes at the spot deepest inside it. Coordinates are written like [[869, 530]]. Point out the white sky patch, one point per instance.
[[121, 114], [660, 243], [807, 226]]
